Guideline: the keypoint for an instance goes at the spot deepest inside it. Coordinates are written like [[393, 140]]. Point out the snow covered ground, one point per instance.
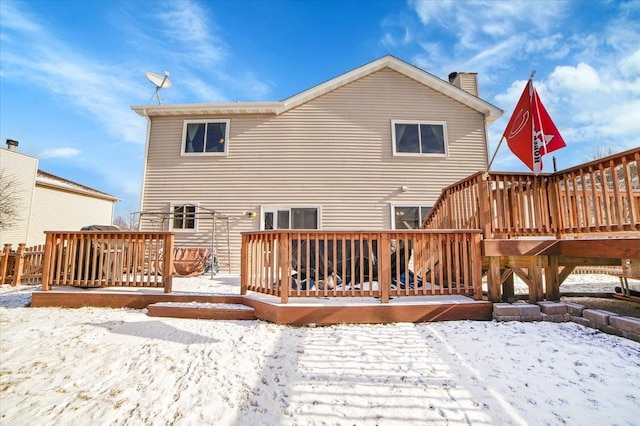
[[119, 366]]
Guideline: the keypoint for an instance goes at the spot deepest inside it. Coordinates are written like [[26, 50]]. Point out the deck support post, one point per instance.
[[551, 278], [494, 279], [536, 293], [508, 289]]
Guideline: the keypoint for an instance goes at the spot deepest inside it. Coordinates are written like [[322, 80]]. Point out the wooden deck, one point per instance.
[[538, 228], [321, 311]]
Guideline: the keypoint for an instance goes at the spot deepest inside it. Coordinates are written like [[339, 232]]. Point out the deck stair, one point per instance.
[[197, 310]]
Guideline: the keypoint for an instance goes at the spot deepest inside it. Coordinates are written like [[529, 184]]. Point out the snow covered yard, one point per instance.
[[118, 366]]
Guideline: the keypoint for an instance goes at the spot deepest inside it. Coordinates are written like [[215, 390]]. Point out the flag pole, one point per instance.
[[495, 153], [533, 72]]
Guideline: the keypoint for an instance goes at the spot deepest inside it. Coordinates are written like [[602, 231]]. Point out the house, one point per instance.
[[370, 149], [45, 202]]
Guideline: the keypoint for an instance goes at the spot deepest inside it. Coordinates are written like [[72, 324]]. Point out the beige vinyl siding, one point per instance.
[[58, 210], [21, 169], [334, 151]]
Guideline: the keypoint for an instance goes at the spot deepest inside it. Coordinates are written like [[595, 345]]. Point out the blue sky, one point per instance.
[[71, 70]]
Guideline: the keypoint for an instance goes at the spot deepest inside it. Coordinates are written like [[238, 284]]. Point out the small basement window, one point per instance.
[[408, 217], [183, 217], [419, 138], [209, 137]]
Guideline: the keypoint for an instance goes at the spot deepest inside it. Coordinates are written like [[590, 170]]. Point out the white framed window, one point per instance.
[[408, 217], [205, 137], [290, 218], [184, 217], [419, 137]]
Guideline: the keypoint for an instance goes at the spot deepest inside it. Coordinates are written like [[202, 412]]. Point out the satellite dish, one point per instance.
[[160, 81]]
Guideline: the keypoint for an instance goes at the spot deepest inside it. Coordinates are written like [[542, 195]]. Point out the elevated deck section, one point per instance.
[[545, 226]]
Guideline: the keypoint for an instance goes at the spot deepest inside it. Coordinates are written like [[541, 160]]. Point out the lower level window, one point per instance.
[[184, 217], [405, 217], [291, 218]]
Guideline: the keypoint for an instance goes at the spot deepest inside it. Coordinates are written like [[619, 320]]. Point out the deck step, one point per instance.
[[195, 310]]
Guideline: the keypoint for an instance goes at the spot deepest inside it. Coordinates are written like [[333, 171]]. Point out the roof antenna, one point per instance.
[[161, 82]]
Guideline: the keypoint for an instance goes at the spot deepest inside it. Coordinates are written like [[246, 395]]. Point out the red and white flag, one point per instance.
[[531, 133]]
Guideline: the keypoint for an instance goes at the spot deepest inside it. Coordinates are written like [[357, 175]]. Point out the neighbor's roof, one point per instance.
[[490, 111], [56, 182]]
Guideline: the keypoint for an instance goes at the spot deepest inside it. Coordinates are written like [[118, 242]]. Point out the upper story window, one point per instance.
[[409, 217], [183, 217], [419, 137], [208, 137]]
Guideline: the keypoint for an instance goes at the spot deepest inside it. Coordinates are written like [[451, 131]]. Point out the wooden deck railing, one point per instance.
[[108, 258], [23, 266], [380, 264], [600, 196]]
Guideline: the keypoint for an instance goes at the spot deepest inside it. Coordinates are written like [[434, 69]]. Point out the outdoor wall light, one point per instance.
[[249, 213], [404, 188]]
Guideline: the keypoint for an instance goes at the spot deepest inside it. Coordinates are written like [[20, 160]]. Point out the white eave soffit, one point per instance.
[[490, 111]]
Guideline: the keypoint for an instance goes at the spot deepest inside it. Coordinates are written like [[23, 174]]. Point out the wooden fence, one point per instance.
[[23, 266], [596, 197], [108, 258], [380, 264]]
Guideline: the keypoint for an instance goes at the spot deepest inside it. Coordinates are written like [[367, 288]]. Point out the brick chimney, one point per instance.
[[467, 81]]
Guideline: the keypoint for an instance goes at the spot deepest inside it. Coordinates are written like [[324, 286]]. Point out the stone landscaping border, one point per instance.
[[605, 321]]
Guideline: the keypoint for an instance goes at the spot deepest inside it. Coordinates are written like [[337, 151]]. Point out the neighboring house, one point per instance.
[[370, 149], [49, 203]]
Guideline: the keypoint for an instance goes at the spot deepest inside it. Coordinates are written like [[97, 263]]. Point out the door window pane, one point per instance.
[[268, 220], [305, 218], [283, 219]]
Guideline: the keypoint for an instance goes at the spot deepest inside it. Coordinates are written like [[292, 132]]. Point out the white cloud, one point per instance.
[[630, 66], [512, 94], [61, 152], [553, 46], [184, 23], [256, 88], [397, 31], [582, 78], [36, 56], [14, 19], [475, 22], [204, 91]]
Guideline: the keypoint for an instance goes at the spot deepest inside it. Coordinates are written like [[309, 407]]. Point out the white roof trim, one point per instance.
[[490, 111], [55, 182]]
